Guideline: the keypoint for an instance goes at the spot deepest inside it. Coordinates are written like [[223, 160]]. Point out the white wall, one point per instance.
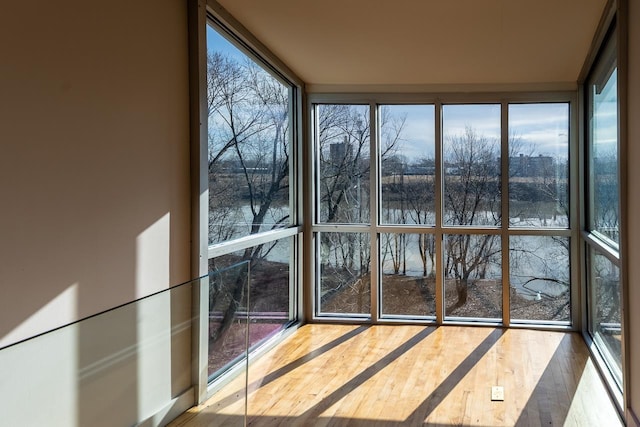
[[633, 197], [94, 179]]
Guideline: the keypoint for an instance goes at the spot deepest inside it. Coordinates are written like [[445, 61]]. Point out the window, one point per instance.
[[539, 165], [345, 280], [342, 133], [443, 211], [407, 164], [249, 152], [343, 150], [602, 234], [472, 197], [407, 190], [539, 264], [471, 169], [252, 232]]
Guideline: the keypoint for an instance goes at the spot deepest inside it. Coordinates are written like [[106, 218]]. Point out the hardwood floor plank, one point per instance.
[[341, 375]]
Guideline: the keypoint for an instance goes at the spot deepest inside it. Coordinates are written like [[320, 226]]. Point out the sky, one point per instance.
[[217, 43], [606, 115], [543, 128]]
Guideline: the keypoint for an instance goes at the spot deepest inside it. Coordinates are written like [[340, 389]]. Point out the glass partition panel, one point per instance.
[[345, 279], [473, 276], [271, 291], [228, 313], [342, 138], [251, 299], [114, 368], [408, 282], [605, 310], [471, 155], [539, 278], [407, 164], [539, 165]]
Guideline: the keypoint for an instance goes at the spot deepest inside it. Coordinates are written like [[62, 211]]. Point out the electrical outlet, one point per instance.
[[497, 393]]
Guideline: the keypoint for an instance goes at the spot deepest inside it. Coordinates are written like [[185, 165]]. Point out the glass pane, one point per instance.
[[408, 274], [228, 314], [249, 287], [473, 276], [605, 310], [344, 273], [271, 297], [471, 149], [603, 176], [93, 372], [407, 152], [343, 147], [538, 165], [249, 144], [539, 278]]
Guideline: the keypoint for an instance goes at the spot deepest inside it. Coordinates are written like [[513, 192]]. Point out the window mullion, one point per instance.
[[439, 205], [374, 197], [504, 204]]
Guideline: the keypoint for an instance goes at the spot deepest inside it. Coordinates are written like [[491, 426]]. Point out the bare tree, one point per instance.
[[343, 137], [472, 197], [248, 145], [248, 161], [344, 191]]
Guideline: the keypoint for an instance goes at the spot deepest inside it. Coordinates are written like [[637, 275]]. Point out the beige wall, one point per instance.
[[633, 197], [94, 165], [94, 211]]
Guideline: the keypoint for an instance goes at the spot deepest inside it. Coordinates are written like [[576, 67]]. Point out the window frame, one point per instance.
[[592, 241], [375, 227], [204, 14]]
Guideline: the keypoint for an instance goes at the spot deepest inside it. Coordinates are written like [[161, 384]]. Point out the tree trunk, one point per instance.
[[229, 314], [462, 286]]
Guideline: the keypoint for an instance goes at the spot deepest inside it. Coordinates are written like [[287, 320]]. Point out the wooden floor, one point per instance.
[[328, 375]]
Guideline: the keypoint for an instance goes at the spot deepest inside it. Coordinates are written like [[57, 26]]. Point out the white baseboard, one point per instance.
[[171, 411]]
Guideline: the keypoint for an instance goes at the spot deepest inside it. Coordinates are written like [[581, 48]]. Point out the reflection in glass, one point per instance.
[[344, 273], [343, 148], [471, 149], [228, 316], [538, 165], [605, 310], [408, 274], [472, 276], [247, 289], [408, 169], [603, 177], [249, 145], [539, 278]]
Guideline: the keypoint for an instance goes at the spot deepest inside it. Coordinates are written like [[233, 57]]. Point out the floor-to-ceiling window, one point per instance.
[[540, 212], [444, 211], [342, 208], [253, 232], [602, 211]]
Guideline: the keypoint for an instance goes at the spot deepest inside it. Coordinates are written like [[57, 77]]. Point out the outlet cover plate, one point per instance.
[[497, 393]]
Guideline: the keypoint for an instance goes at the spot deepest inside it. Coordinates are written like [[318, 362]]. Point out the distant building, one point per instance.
[[340, 151], [530, 166]]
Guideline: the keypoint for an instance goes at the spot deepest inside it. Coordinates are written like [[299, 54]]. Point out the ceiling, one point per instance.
[[425, 42]]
